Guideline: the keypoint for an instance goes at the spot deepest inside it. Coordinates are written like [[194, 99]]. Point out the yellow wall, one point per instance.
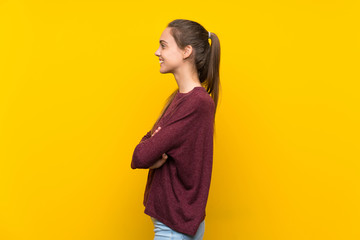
[[80, 85]]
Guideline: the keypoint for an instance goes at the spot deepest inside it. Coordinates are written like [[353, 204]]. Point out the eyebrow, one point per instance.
[[163, 41]]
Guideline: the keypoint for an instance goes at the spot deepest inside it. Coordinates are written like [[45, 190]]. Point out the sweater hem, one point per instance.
[[167, 223]]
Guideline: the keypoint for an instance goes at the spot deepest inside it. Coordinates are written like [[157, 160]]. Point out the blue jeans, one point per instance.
[[163, 232]]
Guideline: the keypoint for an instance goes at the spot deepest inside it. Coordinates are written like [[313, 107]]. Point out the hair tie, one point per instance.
[[209, 35]]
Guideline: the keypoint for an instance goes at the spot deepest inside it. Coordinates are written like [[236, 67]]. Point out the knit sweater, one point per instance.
[[176, 193]]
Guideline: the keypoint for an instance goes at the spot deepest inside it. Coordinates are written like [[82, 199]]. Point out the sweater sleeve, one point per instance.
[[173, 132], [146, 136]]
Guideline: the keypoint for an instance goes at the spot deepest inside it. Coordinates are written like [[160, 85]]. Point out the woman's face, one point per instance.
[[170, 56]]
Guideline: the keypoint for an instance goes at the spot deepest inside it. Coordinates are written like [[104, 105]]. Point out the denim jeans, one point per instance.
[[163, 232]]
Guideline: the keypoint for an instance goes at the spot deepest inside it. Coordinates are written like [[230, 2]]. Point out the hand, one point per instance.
[[160, 162], [158, 129]]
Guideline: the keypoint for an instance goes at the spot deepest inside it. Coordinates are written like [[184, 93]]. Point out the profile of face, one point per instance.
[[170, 55]]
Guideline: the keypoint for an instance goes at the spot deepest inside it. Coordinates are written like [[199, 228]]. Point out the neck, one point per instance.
[[187, 79]]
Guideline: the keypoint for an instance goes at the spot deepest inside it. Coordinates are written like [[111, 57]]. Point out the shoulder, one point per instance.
[[199, 101], [204, 101], [195, 106]]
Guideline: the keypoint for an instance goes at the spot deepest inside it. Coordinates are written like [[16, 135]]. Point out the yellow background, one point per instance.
[[80, 86]]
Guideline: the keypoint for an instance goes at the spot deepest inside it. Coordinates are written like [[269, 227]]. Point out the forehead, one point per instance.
[[166, 36]]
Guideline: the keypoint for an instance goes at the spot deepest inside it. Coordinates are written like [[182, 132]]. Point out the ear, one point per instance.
[[187, 51]]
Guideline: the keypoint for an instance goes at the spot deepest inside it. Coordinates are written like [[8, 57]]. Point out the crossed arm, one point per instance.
[[184, 121], [162, 160], [164, 156]]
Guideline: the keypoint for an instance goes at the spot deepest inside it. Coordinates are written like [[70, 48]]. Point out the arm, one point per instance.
[[146, 136], [183, 121]]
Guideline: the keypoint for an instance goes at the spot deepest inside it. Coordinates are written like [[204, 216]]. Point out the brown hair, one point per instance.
[[206, 57]]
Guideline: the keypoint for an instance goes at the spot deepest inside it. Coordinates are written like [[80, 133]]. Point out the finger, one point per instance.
[[158, 164]]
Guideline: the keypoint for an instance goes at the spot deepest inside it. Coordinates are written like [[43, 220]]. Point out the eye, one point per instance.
[[162, 45]]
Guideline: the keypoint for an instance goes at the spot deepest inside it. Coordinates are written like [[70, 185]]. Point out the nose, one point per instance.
[[157, 53]]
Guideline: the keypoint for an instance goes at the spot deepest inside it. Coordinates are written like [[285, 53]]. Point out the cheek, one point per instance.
[[173, 56]]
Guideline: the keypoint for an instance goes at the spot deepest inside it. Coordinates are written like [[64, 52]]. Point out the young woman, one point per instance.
[[178, 150]]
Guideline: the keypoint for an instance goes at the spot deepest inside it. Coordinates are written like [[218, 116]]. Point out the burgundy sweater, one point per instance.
[[176, 193]]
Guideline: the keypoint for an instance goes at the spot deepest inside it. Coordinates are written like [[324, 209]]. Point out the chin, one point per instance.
[[163, 71]]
